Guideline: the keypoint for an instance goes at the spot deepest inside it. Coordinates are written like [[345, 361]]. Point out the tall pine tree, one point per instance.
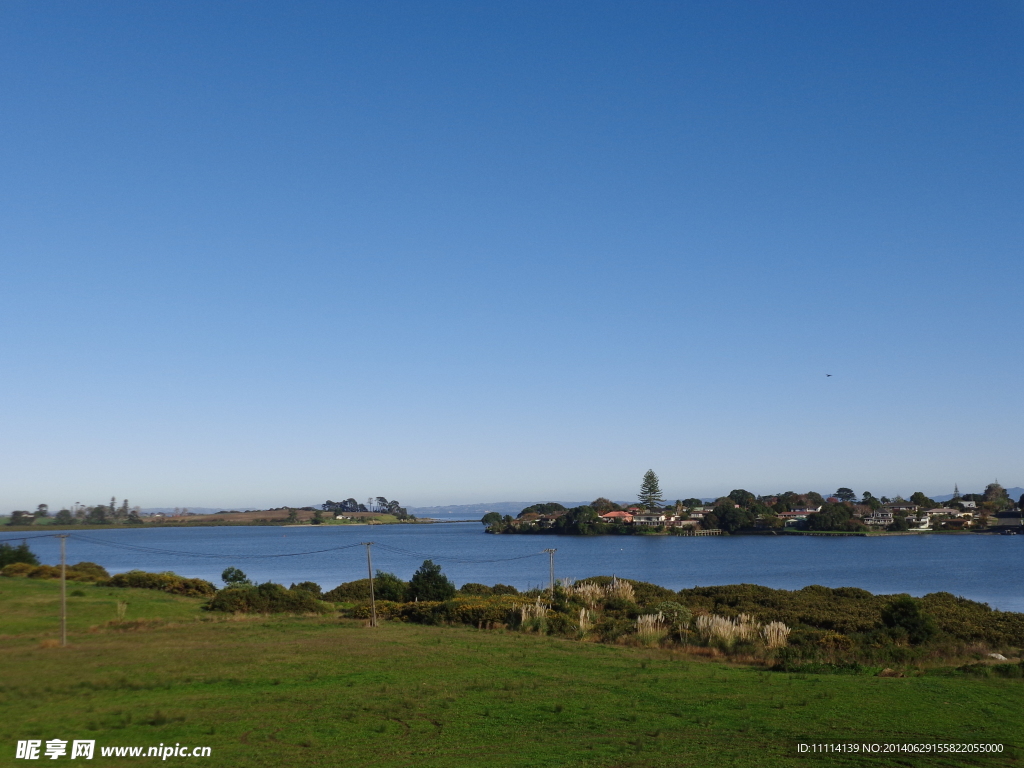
[[650, 492]]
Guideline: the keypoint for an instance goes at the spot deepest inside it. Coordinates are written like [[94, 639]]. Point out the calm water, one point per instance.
[[983, 568]]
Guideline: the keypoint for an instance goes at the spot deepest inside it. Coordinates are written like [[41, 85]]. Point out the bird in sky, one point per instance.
[[829, 375]]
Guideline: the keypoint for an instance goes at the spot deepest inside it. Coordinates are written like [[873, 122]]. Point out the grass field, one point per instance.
[[298, 691]]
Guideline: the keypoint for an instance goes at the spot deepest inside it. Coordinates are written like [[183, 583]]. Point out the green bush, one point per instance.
[[165, 582], [266, 598], [349, 592], [79, 572], [18, 554], [309, 586]]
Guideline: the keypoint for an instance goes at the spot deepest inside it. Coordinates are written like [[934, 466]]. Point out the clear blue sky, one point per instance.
[[270, 253]]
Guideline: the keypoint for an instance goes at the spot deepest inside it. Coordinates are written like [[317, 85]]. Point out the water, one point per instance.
[[983, 568]]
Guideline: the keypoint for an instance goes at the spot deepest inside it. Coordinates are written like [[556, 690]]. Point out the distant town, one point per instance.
[[741, 511], [744, 512]]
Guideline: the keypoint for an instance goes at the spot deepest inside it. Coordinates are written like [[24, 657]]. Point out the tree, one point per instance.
[[428, 583], [293, 517], [650, 492], [21, 517], [601, 504], [871, 501], [846, 494], [234, 577], [97, 515], [899, 523], [692, 503], [309, 586], [996, 498], [833, 517], [43, 510], [491, 518], [677, 616], [318, 517], [552, 507], [1020, 503], [387, 586], [742, 497], [64, 517], [732, 519], [917, 497], [18, 554], [904, 613]]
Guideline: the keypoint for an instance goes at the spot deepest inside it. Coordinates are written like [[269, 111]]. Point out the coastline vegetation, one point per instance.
[[744, 512], [289, 689]]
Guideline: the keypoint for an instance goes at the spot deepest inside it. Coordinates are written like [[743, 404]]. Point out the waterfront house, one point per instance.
[[648, 518], [901, 506], [618, 516], [879, 517]]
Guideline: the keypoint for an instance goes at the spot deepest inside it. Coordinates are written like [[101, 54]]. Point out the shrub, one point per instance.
[[165, 582], [349, 592], [78, 572], [905, 616], [234, 577], [476, 589], [18, 554], [309, 586], [387, 586], [266, 598], [428, 583]]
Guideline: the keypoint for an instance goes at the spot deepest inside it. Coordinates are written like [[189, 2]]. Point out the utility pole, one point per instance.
[[551, 563], [63, 591], [369, 570]]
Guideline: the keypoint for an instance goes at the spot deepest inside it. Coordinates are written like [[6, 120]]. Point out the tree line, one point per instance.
[[739, 510], [97, 514]]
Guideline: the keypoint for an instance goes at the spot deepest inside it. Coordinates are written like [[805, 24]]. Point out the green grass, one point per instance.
[[299, 691], [31, 607]]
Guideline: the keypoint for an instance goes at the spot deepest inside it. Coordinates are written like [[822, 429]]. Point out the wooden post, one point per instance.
[[551, 564], [63, 592], [369, 570]]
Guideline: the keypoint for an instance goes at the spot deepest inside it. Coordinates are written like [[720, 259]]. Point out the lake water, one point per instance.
[[983, 568]]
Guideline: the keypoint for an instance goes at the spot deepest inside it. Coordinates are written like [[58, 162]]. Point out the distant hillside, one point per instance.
[[196, 510], [1014, 493], [476, 511]]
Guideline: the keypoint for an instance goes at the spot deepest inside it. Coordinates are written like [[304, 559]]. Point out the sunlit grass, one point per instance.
[[302, 691]]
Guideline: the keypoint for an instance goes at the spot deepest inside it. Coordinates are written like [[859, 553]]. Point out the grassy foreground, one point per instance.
[[298, 691]]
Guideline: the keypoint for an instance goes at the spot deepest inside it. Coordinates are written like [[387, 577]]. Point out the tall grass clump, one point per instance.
[[721, 629], [650, 628], [775, 635]]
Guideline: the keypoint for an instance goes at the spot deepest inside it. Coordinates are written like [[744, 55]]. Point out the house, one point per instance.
[[792, 517], [879, 517], [805, 510], [647, 518], [920, 522], [618, 516], [965, 504], [950, 512], [901, 506]]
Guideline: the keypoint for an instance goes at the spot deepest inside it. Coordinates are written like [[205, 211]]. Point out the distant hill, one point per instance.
[[476, 511], [1014, 493], [196, 510]]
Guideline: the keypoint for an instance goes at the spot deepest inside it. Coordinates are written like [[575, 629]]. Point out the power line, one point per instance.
[[159, 551]]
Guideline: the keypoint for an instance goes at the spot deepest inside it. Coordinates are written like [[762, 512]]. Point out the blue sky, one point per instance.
[[273, 253]]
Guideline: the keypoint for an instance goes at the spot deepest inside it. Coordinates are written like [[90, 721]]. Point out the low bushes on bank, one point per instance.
[[267, 598], [165, 582], [83, 571]]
